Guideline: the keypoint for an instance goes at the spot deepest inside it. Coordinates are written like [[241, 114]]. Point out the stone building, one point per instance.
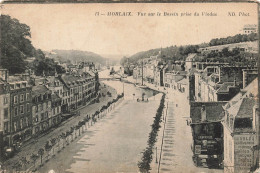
[[20, 110], [241, 124], [207, 133], [5, 117], [41, 109]]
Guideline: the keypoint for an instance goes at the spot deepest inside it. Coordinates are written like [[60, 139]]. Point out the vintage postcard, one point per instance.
[[129, 87]]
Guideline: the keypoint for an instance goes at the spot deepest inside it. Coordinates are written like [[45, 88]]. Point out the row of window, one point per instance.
[[22, 109], [45, 115], [81, 88], [42, 107], [22, 97], [42, 97], [60, 92], [18, 125], [18, 85]]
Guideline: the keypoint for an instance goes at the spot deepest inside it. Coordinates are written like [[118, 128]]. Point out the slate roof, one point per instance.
[[52, 79], [39, 89], [224, 88], [39, 80], [69, 79], [214, 111], [91, 73], [252, 88], [241, 107], [55, 97]]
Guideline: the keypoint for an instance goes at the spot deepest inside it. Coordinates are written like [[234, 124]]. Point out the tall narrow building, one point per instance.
[[240, 131]]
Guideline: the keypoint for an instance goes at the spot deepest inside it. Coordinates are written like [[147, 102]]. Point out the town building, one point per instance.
[[137, 72], [190, 61], [248, 29], [250, 47], [5, 117], [207, 133], [218, 83], [241, 124], [20, 110], [159, 75], [90, 86], [81, 88], [249, 75], [54, 84], [171, 78], [86, 67], [56, 102], [41, 109]]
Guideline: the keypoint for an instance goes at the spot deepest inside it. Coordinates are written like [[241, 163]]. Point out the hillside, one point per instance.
[[18, 53], [76, 55], [169, 53], [180, 53]]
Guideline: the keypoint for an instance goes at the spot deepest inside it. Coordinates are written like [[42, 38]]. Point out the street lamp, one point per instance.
[[156, 160], [123, 90]]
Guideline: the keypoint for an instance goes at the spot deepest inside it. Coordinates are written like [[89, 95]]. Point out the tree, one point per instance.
[[17, 166], [34, 157], [58, 142], [53, 142], [47, 148], [24, 162], [15, 44], [40, 153], [63, 136]]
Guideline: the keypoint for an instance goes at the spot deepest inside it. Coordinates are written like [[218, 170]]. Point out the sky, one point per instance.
[[75, 26]]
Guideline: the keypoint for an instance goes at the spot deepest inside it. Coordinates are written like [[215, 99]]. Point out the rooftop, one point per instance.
[[224, 88], [39, 89], [54, 97], [183, 81], [214, 111]]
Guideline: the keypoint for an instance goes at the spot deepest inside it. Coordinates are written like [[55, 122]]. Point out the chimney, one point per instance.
[[235, 82], [203, 113]]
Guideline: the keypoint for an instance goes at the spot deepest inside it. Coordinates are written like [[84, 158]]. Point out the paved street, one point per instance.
[[175, 140], [176, 153], [113, 144], [35, 144]]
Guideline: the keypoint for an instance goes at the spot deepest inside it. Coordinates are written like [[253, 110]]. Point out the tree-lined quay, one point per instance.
[[56, 145], [115, 143], [45, 146]]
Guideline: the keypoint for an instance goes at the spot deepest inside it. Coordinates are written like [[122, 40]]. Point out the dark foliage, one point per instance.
[[144, 164], [16, 47], [234, 39]]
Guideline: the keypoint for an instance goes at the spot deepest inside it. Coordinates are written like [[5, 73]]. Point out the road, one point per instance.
[[114, 143], [34, 145], [174, 142]]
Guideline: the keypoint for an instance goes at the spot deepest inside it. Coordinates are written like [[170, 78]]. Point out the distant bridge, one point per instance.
[[114, 79]]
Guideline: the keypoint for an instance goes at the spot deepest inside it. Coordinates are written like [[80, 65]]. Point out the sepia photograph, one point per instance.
[[129, 87]]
